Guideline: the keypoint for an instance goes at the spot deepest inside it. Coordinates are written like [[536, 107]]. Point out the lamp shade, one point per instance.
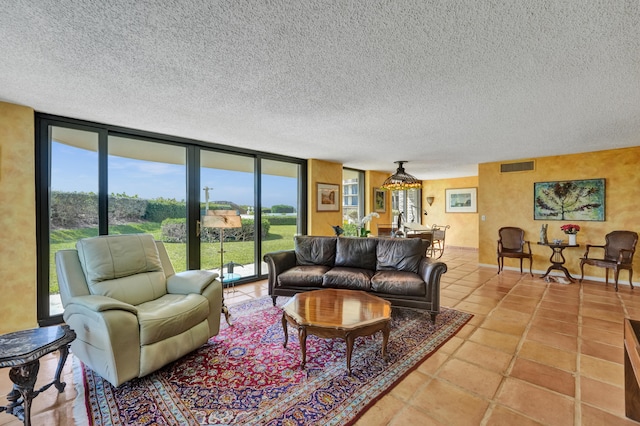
[[401, 180], [221, 219]]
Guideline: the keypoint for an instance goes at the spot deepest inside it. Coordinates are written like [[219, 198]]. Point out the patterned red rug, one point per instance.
[[244, 376]]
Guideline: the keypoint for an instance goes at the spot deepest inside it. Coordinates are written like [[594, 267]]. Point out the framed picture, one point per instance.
[[379, 200], [328, 197], [461, 200], [569, 200]]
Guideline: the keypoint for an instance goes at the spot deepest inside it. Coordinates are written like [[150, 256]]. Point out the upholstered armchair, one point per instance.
[[131, 312]]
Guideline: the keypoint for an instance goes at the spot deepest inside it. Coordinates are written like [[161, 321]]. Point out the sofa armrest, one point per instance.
[[97, 303], [278, 262], [431, 270], [188, 282]]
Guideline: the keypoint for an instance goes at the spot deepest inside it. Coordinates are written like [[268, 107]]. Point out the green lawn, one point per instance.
[[280, 238]]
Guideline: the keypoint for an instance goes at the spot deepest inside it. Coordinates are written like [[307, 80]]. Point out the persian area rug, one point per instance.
[[244, 376]]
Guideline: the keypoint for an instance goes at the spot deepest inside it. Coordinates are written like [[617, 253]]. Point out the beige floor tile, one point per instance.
[[449, 404], [409, 415], [475, 379], [494, 339], [503, 416], [548, 355], [592, 416], [544, 376], [602, 395], [405, 390], [558, 315], [504, 326], [484, 356], [433, 363], [540, 404], [614, 338], [554, 326], [560, 341], [604, 371], [602, 350], [382, 412]]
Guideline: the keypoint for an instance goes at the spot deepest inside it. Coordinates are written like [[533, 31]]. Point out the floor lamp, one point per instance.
[[222, 219]]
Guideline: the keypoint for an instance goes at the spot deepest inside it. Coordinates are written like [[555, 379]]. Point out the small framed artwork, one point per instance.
[[379, 200], [328, 197], [461, 200], [569, 200]]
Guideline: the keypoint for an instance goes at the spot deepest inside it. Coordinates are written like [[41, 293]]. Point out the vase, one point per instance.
[[572, 239]]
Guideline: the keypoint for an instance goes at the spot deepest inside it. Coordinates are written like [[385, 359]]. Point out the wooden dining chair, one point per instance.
[[619, 248], [511, 243]]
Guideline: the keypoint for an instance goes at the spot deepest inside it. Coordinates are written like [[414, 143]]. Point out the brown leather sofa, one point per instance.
[[395, 269]]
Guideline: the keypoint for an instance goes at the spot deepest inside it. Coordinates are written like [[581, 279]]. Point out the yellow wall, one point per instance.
[[319, 171], [507, 200], [503, 199], [464, 226], [17, 218], [373, 180]]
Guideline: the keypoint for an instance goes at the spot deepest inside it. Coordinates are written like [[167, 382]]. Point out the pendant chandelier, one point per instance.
[[401, 180]]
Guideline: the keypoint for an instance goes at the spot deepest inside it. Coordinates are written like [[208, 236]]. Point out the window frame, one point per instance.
[[43, 123]]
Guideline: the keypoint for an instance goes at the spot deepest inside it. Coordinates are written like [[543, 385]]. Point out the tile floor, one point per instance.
[[534, 353]]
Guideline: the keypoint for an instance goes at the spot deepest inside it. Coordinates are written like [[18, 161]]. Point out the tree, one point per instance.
[[564, 198]]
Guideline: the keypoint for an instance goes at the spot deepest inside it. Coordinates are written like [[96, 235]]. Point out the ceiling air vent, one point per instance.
[[523, 166]]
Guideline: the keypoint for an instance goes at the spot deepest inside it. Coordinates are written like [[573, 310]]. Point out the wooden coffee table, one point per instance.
[[335, 313]]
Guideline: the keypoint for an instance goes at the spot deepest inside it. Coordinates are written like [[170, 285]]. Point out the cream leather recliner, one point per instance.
[[131, 312]]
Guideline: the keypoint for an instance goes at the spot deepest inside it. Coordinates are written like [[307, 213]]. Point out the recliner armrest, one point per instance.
[[189, 282], [98, 303]]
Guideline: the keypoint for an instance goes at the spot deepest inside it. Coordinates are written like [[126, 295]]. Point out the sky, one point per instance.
[[76, 170]]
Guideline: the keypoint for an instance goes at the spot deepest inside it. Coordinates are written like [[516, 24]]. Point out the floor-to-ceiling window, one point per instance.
[[228, 182], [281, 204], [94, 179], [352, 200], [408, 203]]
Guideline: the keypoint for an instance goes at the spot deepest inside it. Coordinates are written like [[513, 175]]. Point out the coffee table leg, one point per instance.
[[302, 335], [284, 328], [385, 339], [350, 338]]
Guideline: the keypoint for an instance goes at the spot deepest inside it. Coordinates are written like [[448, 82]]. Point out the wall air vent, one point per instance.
[[523, 166]]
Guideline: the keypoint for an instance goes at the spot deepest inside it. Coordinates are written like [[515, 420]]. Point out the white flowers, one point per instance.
[[367, 219]]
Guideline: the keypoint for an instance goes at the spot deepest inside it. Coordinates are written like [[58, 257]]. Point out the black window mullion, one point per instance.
[[193, 207], [103, 183]]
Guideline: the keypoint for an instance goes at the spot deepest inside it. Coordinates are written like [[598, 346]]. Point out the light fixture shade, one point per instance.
[[401, 180], [221, 219]]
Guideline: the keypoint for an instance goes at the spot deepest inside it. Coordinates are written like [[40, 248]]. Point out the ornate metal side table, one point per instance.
[[21, 351]]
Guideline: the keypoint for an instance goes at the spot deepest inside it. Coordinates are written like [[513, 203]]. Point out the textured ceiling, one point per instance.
[[443, 84]]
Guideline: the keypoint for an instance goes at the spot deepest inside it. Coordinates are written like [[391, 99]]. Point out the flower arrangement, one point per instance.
[[570, 228], [363, 223]]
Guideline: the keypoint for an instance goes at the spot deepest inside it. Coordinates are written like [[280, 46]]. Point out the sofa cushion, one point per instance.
[[399, 254], [356, 252], [124, 267], [351, 278], [398, 282], [302, 276], [315, 250], [170, 315]]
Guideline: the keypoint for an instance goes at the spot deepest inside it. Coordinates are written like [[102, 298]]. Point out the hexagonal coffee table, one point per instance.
[[335, 313]]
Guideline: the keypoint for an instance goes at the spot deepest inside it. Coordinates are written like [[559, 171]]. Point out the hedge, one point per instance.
[[175, 231]]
